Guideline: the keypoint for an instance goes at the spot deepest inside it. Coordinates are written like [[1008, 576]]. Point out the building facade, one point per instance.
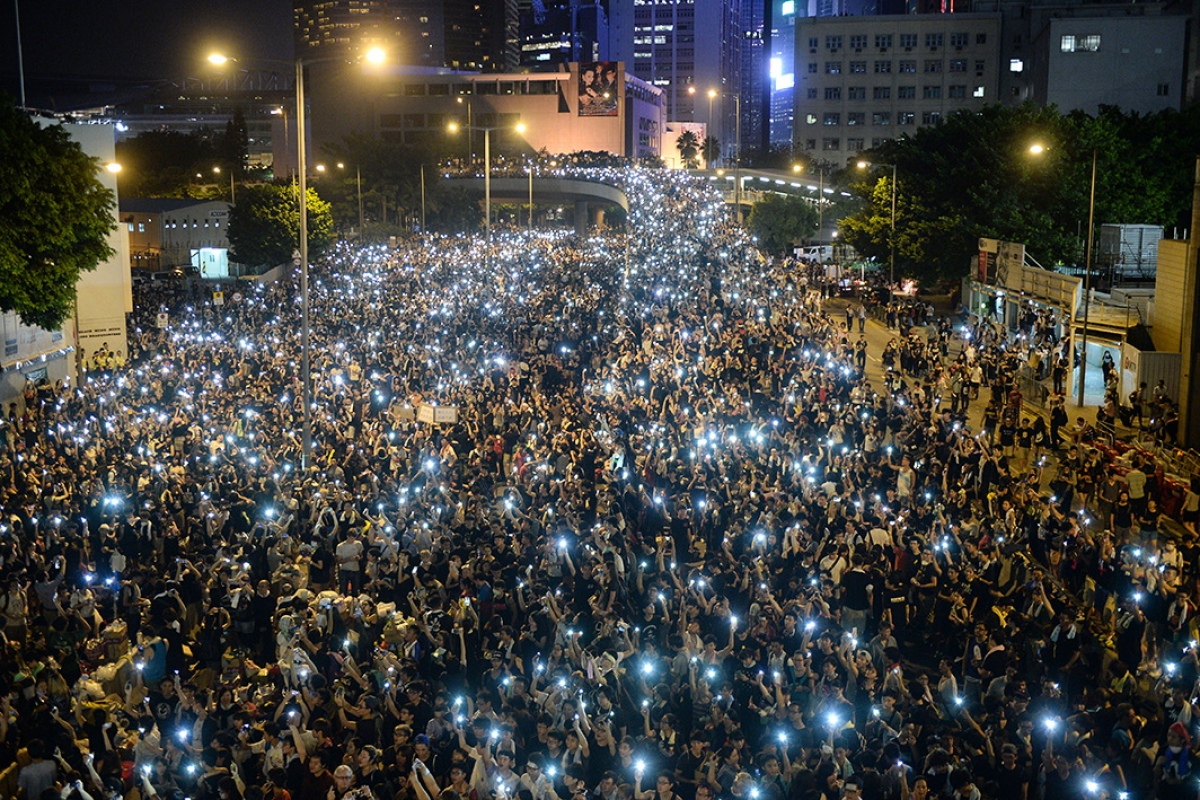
[[103, 295], [167, 232], [863, 80], [459, 34], [589, 106], [1133, 62], [686, 49], [560, 33]]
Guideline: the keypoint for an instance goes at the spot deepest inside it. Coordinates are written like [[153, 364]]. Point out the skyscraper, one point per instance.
[[688, 48], [460, 34]]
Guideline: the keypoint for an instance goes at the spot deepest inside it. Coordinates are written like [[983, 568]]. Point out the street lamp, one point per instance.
[[217, 171], [454, 127], [375, 56], [1037, 150], [358, 185], [798, 168], [892, 237], [737, 162]]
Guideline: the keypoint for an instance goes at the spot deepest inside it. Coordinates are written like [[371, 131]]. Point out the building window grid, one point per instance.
[[858, 41], [883, 40], [883, 67]]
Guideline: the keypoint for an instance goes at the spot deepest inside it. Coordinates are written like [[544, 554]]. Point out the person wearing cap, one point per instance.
[[1173, 769]]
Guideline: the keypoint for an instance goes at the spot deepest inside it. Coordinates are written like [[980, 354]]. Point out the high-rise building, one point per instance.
[[559, 33], [692, 50], [863, 80], [756, 86], [1082, 56], [459, 34], [781, 71]]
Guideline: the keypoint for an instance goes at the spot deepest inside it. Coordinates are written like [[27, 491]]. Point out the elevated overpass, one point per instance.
[[551, 190], [585, 194]]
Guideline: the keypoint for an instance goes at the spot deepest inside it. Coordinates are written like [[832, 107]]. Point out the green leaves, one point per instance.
[[782, 222], [973, 175], [55, 218], [688, 145], [264, 225]]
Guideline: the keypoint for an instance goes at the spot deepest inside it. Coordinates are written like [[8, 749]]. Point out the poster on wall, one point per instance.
[[598, 83]]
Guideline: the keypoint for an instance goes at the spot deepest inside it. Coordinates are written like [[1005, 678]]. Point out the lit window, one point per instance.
[[130, 224], [788, 8], [978, 92], [1016, 65], [142, 227]]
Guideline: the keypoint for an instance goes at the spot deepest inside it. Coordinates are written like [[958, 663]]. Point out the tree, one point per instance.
[[234, 146], [165, 163], [55, 218], [973, 176], [264, 225], [688, 145], [455, 210], [712, 150], [782, 222]]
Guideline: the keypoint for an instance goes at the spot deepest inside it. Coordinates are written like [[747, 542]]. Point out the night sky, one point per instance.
[[73, 47]]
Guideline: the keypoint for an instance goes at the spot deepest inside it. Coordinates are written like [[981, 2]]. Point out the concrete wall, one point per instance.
[[1138, 66], [106, 294], [1170, 296]]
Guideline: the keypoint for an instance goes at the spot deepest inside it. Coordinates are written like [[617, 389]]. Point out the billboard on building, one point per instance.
[[598, 84]]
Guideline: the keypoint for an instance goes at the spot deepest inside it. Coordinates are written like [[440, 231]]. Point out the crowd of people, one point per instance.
[[673, 537]]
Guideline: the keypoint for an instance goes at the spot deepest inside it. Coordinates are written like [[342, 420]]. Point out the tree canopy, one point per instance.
[[781, 222], [264, 225], [973, 175], [688, 145], [55, 218]]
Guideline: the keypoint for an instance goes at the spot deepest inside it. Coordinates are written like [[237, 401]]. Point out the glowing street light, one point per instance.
[[374, 56], [455, 127], [1038, 149]]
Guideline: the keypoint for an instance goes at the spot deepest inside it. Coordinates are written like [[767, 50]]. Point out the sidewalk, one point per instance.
[[878, 335]]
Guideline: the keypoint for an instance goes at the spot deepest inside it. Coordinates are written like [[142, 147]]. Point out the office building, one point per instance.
[[563, 32], [591, 106], [863, 80], [1082, 56], [686, 50], [459, 34], [781, 71]]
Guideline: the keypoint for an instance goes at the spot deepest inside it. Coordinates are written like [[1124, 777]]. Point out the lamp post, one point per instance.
[[358, 185], [892, 237], [1037, 150], [375, 56], [737, 161], [232, 197], [487, 166], [798, 168]]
